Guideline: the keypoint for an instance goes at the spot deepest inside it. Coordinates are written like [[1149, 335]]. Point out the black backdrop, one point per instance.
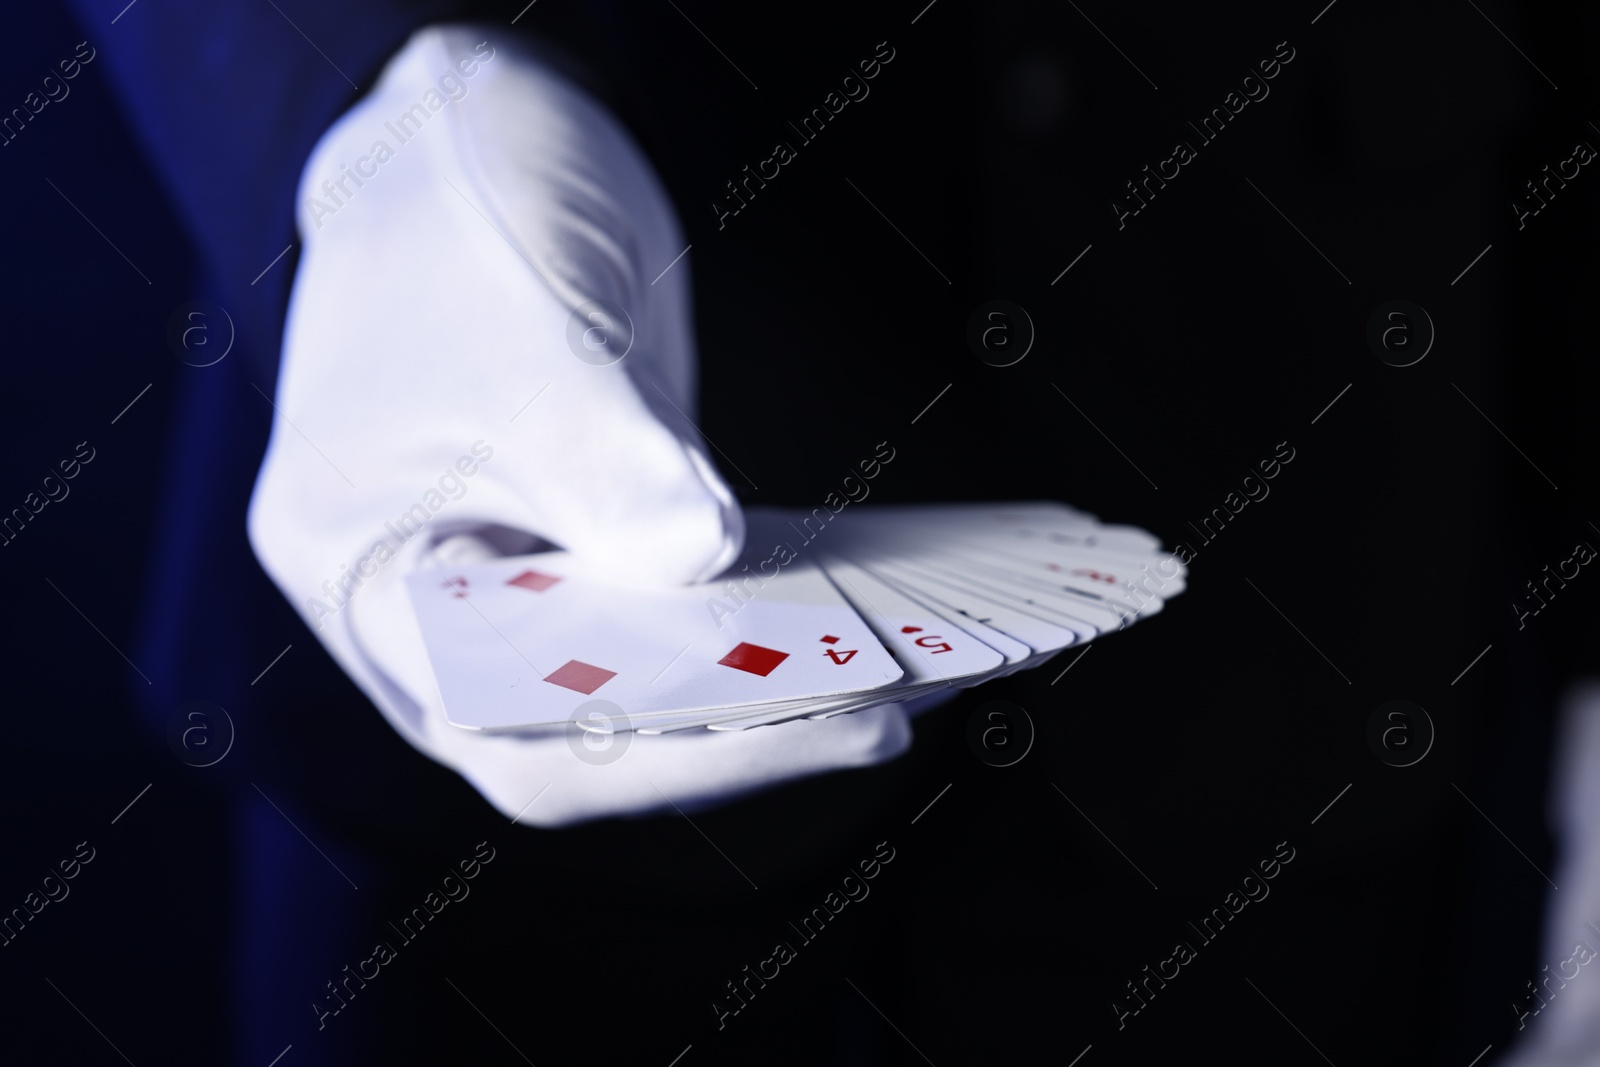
[[1218, 322]]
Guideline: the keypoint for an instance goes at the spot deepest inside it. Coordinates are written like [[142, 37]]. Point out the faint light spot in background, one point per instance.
[[1033, 96]]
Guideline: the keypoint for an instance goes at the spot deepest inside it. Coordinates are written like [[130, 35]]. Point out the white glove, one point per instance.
[[1559, 1017], [433, 302]]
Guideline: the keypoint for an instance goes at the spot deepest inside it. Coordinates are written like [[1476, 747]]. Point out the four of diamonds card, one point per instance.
[[816, 618]]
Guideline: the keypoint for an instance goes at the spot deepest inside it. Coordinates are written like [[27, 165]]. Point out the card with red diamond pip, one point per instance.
[[824, 613]]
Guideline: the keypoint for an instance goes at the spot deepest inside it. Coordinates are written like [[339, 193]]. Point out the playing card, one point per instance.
[[1031, 521], [528, 640], [1015, 653], [927, 650], [932, 654], [896, 602], [1011, 540], [1038, 634], [1080, 614]]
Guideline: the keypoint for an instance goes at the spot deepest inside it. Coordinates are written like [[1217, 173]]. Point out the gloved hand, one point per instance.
[[451, 389]]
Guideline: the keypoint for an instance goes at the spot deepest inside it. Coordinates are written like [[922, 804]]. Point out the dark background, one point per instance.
[[1197, 338]]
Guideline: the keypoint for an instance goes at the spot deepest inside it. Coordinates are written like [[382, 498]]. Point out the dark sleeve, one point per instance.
[[228, 100]]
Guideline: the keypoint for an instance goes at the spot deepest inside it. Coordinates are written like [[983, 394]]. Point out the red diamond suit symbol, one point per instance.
[[753, 658]]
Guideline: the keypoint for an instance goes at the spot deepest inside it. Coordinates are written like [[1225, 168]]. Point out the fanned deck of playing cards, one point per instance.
[[823, 614]]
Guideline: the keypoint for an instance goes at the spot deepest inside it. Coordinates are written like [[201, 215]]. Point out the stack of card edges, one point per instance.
[[823, 614]]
